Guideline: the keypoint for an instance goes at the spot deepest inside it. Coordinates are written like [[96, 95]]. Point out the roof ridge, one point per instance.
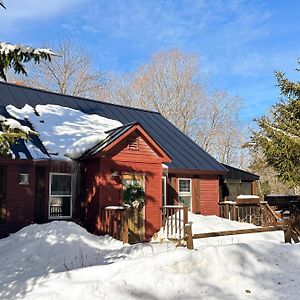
[[123, 126], [239, 169], [78, 98]]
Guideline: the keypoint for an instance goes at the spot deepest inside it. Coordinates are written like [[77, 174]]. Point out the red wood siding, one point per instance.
[[92, 183], [19, 200], [145, 152], [209, 196], [205, 193]]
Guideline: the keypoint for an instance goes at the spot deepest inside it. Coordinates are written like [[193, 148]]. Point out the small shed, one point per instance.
[[239, 182]]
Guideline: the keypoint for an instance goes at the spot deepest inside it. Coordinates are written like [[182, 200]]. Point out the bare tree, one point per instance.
[[71, 73], [172, 84], [168, 84], [218, 129]]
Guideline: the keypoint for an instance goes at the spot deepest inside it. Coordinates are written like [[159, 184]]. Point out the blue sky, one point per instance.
[[240, 43]]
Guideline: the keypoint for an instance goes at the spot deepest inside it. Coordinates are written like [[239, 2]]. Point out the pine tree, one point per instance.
[[11, 135], [14, 56], [278, 137]]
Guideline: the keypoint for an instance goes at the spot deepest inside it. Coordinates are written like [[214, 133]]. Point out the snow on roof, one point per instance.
[[65, 132]]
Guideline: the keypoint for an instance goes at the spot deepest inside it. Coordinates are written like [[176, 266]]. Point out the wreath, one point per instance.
[[134, 194]]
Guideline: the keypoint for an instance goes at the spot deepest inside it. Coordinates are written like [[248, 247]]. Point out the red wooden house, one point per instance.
[[169, 166]]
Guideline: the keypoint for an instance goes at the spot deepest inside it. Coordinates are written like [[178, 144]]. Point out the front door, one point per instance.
[[40, 195], [136, 215]]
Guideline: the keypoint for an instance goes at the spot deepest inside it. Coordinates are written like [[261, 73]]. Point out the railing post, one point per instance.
[[111, 223], [185, 214], [189, 236], [226, 211], [125, 225], [288, 234], [233, 215]]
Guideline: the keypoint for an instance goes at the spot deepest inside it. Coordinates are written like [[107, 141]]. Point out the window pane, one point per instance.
[[61, 184], [185, 200], [60, 206], [184, 185]]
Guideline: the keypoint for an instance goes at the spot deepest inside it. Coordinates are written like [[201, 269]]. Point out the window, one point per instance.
[[164, 191], [60, 201], [185, 191], [24, 179]]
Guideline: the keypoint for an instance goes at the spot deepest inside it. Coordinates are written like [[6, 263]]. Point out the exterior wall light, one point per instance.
[[115, 174], [24, 179]]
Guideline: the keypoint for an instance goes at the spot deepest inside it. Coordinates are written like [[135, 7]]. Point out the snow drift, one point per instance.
[[35, 263]]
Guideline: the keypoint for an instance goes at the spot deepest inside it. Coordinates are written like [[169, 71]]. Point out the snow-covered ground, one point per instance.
[[60, 260]]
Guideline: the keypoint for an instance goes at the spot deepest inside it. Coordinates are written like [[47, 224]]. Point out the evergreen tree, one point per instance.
[[12, 132], [278, 137], [14, 56]]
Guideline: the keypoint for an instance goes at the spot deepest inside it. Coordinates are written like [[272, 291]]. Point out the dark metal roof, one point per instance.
[[112, 136], [185, 154], [238, 174]]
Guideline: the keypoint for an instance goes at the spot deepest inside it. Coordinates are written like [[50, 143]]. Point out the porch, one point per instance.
[[127, 224]]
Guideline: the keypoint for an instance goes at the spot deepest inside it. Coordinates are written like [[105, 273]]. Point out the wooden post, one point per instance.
[[233, 213], [226, 211], [111, 223], [185, 214], [125, 225], [288, 234], [189, 235], [172, 217]]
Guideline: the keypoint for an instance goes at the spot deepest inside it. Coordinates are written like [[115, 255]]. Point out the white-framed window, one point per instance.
[[185, 191], [60, 196], [164, 191]]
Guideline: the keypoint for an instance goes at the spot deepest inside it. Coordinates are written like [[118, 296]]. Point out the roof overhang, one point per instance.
[[196, 172]]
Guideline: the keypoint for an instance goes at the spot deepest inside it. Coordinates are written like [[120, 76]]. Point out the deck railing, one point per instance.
[[115, 222], [295, 215], [174, 217], [259, 214]]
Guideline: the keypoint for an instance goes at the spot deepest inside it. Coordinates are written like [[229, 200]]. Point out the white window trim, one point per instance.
[[186, 193], [164, 178], [50, 181]]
